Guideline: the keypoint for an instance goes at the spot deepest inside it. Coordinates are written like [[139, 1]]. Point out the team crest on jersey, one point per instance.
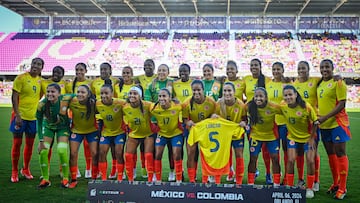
[[292, 142], [329, 85], [299, 113], [206, 107], [116, 109], [267, 112], [216, 88], [252, 149], [238, 85], [39, 81], [236, 110], [173, 112], [310, 84], [102, 139], [73, 135], [61, 85], [64, 108]]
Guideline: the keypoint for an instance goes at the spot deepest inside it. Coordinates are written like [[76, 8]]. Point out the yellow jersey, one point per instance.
[[167, 119], [198, 112], [97, 83], [239, 87], [182, 90], [112, 117], [137, 121]]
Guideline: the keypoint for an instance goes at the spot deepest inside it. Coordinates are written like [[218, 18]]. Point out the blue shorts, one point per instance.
[[90, 137], [282, 132], [238, 143], [272, 146], [186, 131], [29, 127], [118, 139], [176, 141], [335, 135], [291, 144]]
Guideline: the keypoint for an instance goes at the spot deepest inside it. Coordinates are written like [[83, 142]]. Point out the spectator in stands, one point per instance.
[[25, 97]]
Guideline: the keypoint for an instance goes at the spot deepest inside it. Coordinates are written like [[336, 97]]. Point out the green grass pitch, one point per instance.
[[26, 190]]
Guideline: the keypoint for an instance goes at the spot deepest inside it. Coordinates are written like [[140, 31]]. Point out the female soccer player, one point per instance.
[[300, 117], [334, 126], [149, 68], [72, 87], [96, 85], [274, 89], [110, 110], [231, 73], [167, 113], [151, 94], [25, 98], [233, 109], [83, 128], [52, 119], [251, 82], [261, 114], [137, 114], [56, 77], [195, 109], [212, 86], [126, 82], [307, 87], [182, 87]]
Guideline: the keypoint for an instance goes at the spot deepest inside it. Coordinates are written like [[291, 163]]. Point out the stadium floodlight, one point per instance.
[[127, 2], [62, 2], [31, 3], [195, 6], [338, 5], [99, 6], [163, 7], [303, 7]]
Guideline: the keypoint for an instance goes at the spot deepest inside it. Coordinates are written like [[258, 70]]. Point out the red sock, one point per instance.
[[239, 170], [73, 172], [334, 168], [191, 174], [120, 171], [317, 168], [300, 167], [289, 179], [343, 165], [204, 179], [276, 177], [103, 170], [28, 149], [149, 163], [266, 157], [113, 167], [129, 166], [15, 153], [251, 178], [158, 169], [310, 181], [87, 154], [142, 157], [178, 170], [217, 179], [94, 171]]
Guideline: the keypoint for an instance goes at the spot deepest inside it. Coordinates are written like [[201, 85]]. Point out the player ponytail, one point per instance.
[[299, 99], [261, 78]]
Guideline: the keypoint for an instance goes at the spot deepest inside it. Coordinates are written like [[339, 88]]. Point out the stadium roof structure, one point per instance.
[[182, 7]]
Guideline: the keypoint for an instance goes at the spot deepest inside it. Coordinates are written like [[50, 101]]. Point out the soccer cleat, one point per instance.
[[14, 177], [87, 173], [309, 193], [73, 184], [269, 180], [301, 184], [78, 174], [340, 194], [65, 183], [26, 174], [113, 176], [316, 186], [333, 188], [171, 177], [144, 173], [211, 179], [230, 176], [44, 184]]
